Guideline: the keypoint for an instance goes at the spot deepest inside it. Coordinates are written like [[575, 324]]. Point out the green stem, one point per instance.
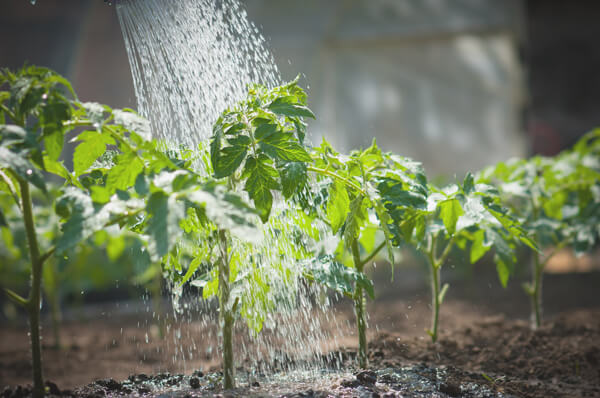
[[33, 302], [226, 314], [332, 174], [537, 270], [373, 254], [435, 265], [435, 301], [359, 308]]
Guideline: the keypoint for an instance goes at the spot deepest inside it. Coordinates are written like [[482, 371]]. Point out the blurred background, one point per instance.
[[456, 84]]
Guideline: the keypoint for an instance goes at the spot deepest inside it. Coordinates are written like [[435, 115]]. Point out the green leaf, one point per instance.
[[22, 167], [265, 130], [54, 144], [336, 276], [281, 146], [479, 246], [229, 160], [504, 270], [288, 106], [354, 220], [293, 178], [141, 185], [450, 211], [163, 223], [338, 205], [11, 134], [468, 184], [384, 222], [215, 143], [92, 147], [261, 178], [227, 210], [82, 219], [124, 174], [133, 122]]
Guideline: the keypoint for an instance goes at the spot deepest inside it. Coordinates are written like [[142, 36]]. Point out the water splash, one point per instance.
[[190, 60]]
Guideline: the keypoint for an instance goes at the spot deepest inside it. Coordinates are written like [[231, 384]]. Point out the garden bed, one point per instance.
[[482, 351]]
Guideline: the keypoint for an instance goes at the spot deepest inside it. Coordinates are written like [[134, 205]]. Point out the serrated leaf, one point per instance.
[[92, 147], [338, 205], [384, 220], [163, 223], [479, 246], [450, 211], [229, 160], [281, 146], [468, 184], [354, 220], [82, 219], [336, 276], [124, 174], [22, 167], [228, 211], [265, 130], [293, 178], [11, 134], [504, 270], [261, 179], [287, 106], [54, 144]]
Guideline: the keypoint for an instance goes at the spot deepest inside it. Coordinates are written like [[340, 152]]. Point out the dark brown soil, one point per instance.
[[480, 347]]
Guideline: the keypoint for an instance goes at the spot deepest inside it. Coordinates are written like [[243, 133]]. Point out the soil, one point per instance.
[[485, 349]]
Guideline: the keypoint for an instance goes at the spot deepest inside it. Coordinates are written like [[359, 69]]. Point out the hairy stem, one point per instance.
[[359, 308], [226, 314], [33, 302]]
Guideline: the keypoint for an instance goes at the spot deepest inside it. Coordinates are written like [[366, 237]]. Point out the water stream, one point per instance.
[[190, 60]]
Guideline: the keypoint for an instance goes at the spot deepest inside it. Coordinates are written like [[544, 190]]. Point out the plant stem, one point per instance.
[[226, 314], [33, 302], [373, 254], [537, 269], [332, 174], [435, 301], [359, 308]]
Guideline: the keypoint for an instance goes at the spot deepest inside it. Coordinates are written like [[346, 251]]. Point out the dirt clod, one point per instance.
[[367, 378], [195, 382]]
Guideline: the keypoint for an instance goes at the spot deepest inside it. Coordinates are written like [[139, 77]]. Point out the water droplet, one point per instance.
[[29, 172], [44, 96]]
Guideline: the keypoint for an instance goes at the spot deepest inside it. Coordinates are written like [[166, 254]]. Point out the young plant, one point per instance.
[[455, 217], [354, 210], [256, 147], [556, 200], [133, 187]]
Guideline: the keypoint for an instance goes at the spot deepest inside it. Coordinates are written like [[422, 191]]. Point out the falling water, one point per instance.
[[190, 60]]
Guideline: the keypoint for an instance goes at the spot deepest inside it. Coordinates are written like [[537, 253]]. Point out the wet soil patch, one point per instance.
[[482, 352]]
